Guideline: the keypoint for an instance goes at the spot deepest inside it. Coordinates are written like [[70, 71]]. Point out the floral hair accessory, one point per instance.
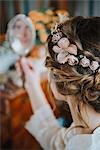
[[62, 57], [67, 53], [63, 43], [72, 60], [85, 62], [94, 65], [56, 37], [57, 49], [72, 49]]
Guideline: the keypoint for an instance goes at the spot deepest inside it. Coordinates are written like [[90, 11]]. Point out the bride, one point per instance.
[[74, 76]]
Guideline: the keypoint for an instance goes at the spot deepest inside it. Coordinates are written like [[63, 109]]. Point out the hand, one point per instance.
[[31, 72], [32, 83]]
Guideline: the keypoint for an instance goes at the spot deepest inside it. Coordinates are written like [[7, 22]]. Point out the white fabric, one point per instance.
[[6, 60], [44, 127]]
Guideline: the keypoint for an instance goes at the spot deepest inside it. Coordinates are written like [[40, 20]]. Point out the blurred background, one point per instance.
[[9, 8], [15, 105]]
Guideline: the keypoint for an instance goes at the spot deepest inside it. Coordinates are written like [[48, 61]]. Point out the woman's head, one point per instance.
[[74, 59]]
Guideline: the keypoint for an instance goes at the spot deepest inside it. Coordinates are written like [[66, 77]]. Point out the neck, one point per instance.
[[90, 116]]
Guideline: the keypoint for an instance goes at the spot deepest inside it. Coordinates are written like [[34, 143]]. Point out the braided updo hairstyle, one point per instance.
[[77, 80]]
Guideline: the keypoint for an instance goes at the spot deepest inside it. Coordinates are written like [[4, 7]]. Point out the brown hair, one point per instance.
[[76, 80]]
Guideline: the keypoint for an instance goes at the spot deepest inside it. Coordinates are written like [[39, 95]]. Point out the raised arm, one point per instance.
[[43, 124]]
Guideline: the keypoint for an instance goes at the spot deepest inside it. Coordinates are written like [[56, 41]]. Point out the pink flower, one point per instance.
[[72, 49], [85, 62], [63, 43], [56, 37], [72, 60], [57, 49], [94, 65], [62, 57]]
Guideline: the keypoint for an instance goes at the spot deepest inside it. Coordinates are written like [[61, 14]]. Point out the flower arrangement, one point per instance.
[[44, 21], [68, 53]]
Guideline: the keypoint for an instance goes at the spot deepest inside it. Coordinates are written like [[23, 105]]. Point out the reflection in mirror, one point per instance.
[[20, 40], [21, 34]]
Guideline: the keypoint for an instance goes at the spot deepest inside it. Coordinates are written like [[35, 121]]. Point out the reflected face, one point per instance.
[[23, 32], [56, 94]]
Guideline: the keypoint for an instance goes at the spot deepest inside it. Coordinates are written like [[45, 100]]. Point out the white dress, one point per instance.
[[45, 128]]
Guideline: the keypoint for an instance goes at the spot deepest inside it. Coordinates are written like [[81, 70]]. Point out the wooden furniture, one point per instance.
[[15, 111]]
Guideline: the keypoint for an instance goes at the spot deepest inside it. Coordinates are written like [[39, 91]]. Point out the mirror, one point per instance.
[[21, 34]]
